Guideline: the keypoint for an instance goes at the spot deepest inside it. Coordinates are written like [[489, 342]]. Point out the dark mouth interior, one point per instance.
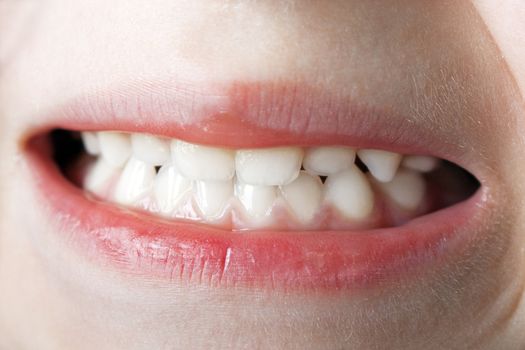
[[450, 183]]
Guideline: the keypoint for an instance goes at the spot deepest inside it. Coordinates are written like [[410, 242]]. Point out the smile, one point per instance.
[[294, 211]]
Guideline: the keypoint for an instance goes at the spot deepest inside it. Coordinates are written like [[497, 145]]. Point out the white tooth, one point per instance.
[[350, 192], [382, 164], [304, 196], [328, 160], [115, 147], [99, 177], [257, 200], [423, 164], [170, 188], [135, 182], [269, 166], [150, 149], [407, 189], [213, 196], [203, 163], [90, 141]]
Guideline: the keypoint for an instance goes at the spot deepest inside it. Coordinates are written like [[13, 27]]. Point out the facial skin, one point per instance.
[[452, 68]]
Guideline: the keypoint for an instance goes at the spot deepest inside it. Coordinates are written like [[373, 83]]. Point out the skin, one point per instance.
[[456, 67]]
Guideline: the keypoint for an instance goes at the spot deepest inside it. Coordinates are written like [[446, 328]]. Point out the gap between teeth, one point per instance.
[[251, 187]]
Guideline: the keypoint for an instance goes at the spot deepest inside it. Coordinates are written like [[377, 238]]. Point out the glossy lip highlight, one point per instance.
[[179, 252]]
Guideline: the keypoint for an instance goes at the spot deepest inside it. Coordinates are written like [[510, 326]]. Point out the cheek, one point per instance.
[[504, 20]]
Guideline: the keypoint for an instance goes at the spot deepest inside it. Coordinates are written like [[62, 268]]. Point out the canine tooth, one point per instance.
[[99, 176], [328, 160], [115, 147], [407, 189], [270, 166], [304, 196], [150, 149], [90, 141], [202, 162], [423, 164], [213, 196], [170, 188], [136, 180], [382, 164], [350, 192], [257, 200]]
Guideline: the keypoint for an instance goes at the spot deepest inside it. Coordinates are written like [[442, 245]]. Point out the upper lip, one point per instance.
[[250, 115], [243, 116]]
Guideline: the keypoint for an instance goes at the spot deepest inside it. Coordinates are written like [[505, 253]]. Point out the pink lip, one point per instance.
[[245, 115], [189, 253]]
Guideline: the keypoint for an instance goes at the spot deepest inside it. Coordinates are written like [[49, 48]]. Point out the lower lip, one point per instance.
[[178, 252]]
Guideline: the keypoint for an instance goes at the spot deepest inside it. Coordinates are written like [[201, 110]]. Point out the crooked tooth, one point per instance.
[[326, 161], [304, 196], [150, 149], [423, 164], [407, 189], [202, 162], [270, 166], [99, 177], [350, 192], [115, 147], [257, 200], [212, 197], [170, 189], [90, 141], [382, 164], [135, 182]]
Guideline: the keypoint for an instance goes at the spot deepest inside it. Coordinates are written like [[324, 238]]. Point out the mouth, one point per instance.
[[228, 202]]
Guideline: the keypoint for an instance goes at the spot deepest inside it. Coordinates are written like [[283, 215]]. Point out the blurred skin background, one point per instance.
[[469, 54]]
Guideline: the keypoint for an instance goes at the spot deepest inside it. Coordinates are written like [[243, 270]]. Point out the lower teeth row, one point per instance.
[[259, 188]]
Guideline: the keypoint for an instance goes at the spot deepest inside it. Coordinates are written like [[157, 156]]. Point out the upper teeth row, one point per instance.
[[255, 177], [265, 167]]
